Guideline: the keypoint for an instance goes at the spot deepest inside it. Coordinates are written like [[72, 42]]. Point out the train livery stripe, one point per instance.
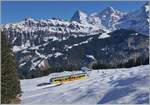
[[68, 78]]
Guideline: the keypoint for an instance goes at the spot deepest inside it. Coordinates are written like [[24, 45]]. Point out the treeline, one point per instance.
[[130, 63], [10, 84], [39, 73]]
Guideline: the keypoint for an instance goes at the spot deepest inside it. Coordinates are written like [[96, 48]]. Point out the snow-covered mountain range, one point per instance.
[[137, 20], [81, 41], [106, 18], [113, 19]]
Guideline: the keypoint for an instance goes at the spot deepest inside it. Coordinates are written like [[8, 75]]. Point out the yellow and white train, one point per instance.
[[63, 79]]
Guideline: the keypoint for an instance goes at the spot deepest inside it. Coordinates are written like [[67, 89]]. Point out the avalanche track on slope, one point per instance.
[[125, 85]]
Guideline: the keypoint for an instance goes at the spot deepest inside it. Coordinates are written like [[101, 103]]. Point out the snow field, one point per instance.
[[123, 86]]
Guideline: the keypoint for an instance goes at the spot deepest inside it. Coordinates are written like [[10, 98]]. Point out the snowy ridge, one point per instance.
[[51, 26], [112, 86]]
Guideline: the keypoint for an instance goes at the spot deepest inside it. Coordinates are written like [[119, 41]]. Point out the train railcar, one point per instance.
[[68, 78]]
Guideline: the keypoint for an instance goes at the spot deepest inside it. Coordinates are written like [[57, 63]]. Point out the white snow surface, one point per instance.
[[90, 56], [40, 55], [42, 64], [104, 35], [111, 86], [67, 47], [57, 54], [18, 48]]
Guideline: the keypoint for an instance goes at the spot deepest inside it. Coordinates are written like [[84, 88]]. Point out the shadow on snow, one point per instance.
[[124, 87]]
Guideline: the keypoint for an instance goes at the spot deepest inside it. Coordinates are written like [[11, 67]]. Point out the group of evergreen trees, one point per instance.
[[39, 73], [10, 84], [131, 63]]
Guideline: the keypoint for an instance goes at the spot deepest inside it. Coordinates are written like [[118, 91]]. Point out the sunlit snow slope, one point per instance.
[[126, 85]]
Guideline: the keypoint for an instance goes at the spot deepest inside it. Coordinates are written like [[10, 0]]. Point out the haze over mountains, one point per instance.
[[109, 37]]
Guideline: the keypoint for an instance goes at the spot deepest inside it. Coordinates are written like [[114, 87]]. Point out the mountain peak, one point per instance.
[[79, 16], [109, 9], [109, 16], [147, 3], [79, 11], [29, 19], [146, 6]]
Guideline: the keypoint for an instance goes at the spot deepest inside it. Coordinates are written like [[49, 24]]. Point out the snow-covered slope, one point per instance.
[[113, 86]]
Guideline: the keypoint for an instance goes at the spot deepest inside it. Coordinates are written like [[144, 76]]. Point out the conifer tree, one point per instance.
[[10, 84]]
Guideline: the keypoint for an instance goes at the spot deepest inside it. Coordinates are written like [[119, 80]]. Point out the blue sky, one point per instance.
[[13, 11]]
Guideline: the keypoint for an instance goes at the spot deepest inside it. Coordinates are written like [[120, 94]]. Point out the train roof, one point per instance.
[[67, 75]]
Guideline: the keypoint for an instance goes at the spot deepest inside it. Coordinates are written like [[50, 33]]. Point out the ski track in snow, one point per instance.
[[123, 86]]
